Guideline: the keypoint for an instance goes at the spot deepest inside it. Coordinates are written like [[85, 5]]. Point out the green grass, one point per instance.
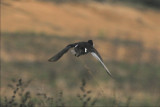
[[24, 98], [139, 77]]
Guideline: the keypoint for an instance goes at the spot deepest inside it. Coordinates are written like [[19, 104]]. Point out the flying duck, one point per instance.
[[80, 48]]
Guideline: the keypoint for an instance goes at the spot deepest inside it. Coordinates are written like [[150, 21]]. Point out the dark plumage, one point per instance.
[[80, 48]]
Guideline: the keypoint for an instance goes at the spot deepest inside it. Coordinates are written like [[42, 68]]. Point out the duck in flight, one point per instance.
[[80, 48]]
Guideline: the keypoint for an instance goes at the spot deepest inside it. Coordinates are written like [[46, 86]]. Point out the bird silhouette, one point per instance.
[[81, 48]]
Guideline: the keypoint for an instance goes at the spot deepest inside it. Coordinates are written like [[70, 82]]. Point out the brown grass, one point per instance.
[[92, 20], [82, 20]]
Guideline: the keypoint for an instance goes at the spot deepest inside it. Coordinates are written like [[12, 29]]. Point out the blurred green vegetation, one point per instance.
[[25, 56], [22, 97]]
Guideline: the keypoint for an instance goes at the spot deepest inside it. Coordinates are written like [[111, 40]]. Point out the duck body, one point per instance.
[[80, 48]]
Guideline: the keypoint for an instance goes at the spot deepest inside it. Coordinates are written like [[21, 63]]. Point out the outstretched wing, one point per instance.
[[61, 53], [96, 52], [98, 57]]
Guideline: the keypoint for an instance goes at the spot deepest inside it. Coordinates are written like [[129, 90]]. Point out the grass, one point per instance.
[[25, 56], [35, 42], [21, 97]]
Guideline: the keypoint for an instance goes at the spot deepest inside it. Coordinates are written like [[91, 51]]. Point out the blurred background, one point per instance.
[[125, 32]]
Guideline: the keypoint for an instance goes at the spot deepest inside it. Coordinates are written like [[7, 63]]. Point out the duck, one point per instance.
[[81, 48]]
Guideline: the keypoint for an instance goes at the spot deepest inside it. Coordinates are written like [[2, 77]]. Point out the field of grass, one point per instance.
[[25, 55], [83, 20], [126, 37]]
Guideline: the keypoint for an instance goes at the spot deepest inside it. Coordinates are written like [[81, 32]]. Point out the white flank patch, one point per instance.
[[85, 49], [73, 51], [96, 56]]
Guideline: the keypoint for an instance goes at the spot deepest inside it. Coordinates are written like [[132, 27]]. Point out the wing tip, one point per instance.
[[108, 72], [51, 60], [111, 76], [97, 57]]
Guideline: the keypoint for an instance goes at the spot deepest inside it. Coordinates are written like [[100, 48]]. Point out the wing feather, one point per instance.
[[61, 53], [100, 59], [96, 52]]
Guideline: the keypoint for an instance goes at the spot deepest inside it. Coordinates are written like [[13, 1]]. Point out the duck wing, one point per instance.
[[61, 53], [98, 57]]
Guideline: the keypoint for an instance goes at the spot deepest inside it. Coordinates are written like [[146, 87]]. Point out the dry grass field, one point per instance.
[[128, 39], [90, 19]]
